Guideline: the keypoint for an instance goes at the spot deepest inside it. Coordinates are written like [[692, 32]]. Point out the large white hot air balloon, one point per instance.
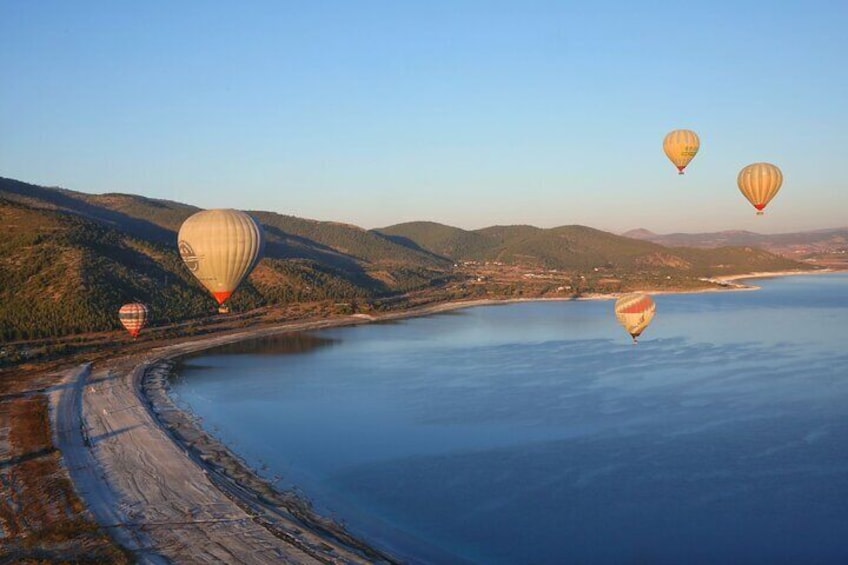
[[133, 317], [681, 146], [760, 183], [634, 312], [220, 248]]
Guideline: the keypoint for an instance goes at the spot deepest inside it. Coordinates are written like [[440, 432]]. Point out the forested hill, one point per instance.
[[804, 244], [580, 248], [69, 260]]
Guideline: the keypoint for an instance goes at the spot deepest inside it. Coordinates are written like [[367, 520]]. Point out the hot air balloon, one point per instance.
[[760, 183], [635, 312], [133, 317], [681, 146], [220, 248]]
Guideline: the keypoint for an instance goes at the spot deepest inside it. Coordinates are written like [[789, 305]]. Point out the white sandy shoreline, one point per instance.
[[169, 492], [769, 275], [163, 497]]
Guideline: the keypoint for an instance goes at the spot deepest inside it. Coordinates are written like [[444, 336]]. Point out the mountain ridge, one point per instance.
[[568, 246], [69, 259], [805, 244]]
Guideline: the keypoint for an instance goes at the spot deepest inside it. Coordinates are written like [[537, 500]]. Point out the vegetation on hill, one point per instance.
[[367, 259], [69, 260], [570, 247], [145, 218], [580, 248], [164, 214], [804, 242], [825, 247], [61, 273], [354, 242], [440, 239]]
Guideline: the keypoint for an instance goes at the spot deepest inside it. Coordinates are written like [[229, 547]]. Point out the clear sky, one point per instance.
[[469, 113]]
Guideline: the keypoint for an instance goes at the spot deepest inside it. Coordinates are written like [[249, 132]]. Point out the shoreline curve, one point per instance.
[[169, 491]]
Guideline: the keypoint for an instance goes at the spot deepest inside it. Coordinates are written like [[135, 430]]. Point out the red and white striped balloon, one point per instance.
[[133, 317], [634, 312]]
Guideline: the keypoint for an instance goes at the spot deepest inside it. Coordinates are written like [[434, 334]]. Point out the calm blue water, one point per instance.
[[537, 433]]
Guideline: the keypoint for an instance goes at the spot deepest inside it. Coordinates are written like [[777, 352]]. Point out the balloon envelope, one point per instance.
[[760, 183], [635, 312], [220, 248], [133, 317], [681, 146]]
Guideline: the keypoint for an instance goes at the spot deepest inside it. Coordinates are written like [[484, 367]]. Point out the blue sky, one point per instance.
[[470, 113]]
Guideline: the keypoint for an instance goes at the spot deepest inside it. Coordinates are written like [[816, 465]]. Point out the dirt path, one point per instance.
[[71, 436]]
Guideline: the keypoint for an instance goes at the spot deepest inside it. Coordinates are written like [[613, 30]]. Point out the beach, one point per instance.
[[166, 491]]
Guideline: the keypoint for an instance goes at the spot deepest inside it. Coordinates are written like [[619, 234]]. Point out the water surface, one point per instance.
[[537, 433]]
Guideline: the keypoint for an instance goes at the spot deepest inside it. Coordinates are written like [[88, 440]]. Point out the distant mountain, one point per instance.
[[68, 260], [579, 248], [798, 244], [640, 233]]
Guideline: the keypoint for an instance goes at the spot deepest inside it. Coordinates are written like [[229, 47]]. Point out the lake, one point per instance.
[[538, 433]]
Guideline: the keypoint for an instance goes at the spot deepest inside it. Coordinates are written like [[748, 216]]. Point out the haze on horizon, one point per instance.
[[466, 113]]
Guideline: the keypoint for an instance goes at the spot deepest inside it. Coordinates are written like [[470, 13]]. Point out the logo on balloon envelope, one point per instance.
[[191, 260]]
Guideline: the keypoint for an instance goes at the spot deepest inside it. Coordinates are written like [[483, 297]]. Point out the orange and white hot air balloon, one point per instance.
[[220, 248], [635, 312], [760, 183], [681, 146], [133, 317]]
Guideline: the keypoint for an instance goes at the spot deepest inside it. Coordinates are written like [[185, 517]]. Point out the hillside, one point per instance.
[[159, 220], [69, 260], [580, 248], [796, 245], [145, 218], [440, 239], [61, 273]]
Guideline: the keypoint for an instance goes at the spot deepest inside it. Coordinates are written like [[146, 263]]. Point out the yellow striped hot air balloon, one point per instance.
[[760, 183], [681, 146], [220, 248], [133, 317], [635, 312]]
